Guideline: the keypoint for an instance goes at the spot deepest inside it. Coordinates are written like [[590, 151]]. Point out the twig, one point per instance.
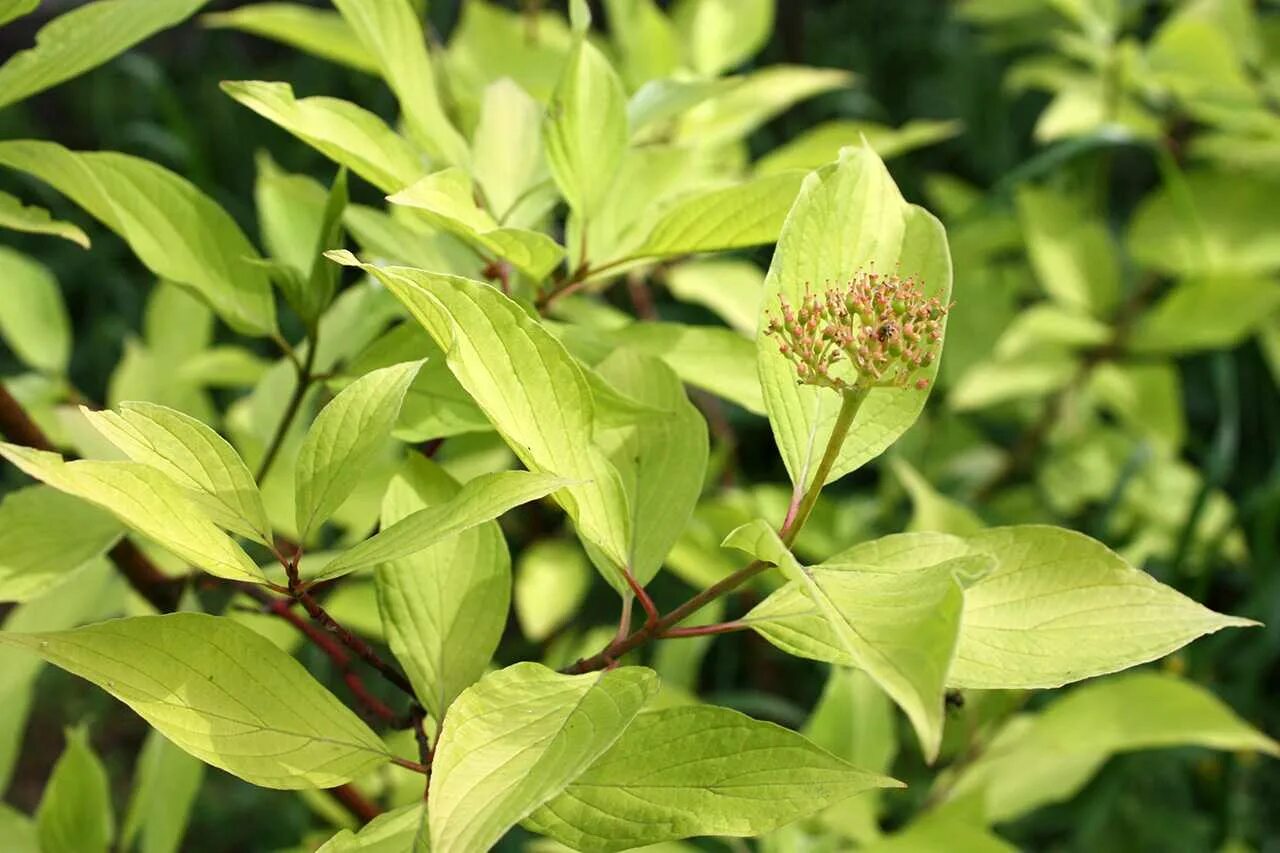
[[704, 630], [320, 616], [304, 379]]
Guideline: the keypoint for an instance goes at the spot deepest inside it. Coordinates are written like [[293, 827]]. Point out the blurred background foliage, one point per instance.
[[1177, 467]]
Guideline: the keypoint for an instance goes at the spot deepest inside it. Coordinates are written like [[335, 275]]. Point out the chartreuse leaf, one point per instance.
[[930, 509], [16, 828], [36, 220], [340, 130], [1211, 312], [1054, 607], [849, 217], [722, 34], [45, 535], [482, 499], [85, 38], [13, 9], [506, 150], [392, 33], [662, 459], [697, 770], [75, 814], [1060, 607], [316, 31], [444, 607], [748, 214], [728, 287], [585, 131], [34, 322], [552, 579], [940, 829], [647, 42], [517, 739], [822, 144], [854, 721], [533, 391], [344, 438], [177, 232], [166, 781], [733, 112], [901, 627], [396, 831], [222, 692], [1072, 253], [147, 501], [290, 213], [447, 200], [194, 456], [1037, 759]]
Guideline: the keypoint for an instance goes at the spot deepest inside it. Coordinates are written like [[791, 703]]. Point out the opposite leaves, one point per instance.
[[517, 739], [693, 771], [222, 692]]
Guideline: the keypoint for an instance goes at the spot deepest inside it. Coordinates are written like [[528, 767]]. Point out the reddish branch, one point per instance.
[[160, 590]]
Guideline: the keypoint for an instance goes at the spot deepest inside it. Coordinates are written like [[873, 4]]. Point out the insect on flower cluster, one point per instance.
[[882, 325]]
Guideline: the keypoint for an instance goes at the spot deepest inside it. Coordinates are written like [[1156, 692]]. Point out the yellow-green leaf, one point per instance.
[[222, 692], [147, 501], [75, 813], [45, 535], [34, 322], [177, 231], [36, 220], [315, 31]]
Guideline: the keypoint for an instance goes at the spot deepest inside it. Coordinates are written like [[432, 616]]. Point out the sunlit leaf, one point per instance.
[[316, 31], [34, 322], [36, 220]]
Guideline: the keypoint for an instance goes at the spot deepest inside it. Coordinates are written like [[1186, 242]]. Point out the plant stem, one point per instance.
[[664, 625], [705, 630], [320, 616], [305, 376], [354, 802], [850, 402]]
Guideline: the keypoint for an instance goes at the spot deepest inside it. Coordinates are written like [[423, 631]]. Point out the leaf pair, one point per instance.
[[576, 758], [1007, 608]]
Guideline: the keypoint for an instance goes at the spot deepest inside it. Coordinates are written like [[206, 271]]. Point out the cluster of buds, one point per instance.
[[883, 326]]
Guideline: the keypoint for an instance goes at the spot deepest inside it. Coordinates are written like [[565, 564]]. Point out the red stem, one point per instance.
[[704, 630]]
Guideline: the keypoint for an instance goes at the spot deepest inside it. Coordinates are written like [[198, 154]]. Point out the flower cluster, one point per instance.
[[882, 325]]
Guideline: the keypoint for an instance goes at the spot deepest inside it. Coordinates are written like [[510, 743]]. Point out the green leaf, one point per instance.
[[316, 31], [445, 606], [1037, 759], [940, 830], [533, 391], [932, 510], [1205, 313], [345, 437], [1071, 252], [1213, 222], [585, 131], [854, 721], [221, 692], [177, 232], [848, 217], [822, 143], [552, 579], [480, 500], [85, 38], [16, 828], [490, 42], [517, 739], [145, 500], [1047, 326], [658, 103], [11, 10], [167, 781], [732, 115], [75, 815], [1147, 398], [392, 33], [395, 831], [194, 456], [722, 34], [506, 150], [36, 220], [697, 770], [901, 627], [44, 536], [290, 210], [34, 322], [340, 130], [731, 289], [748, 214], [447, 200], [1060, 607], [647, 43], [990, 382], [662, 459]]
